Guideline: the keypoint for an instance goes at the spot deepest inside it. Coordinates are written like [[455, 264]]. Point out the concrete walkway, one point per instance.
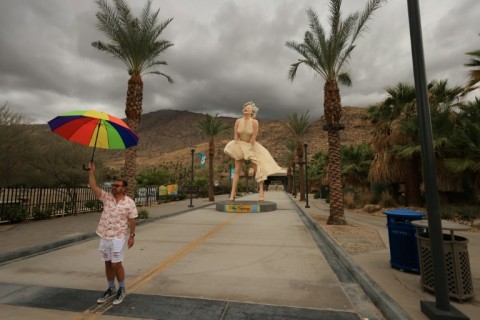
[[197, 263]]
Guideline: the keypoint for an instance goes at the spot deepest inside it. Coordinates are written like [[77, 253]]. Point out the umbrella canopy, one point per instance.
[[94, 129]]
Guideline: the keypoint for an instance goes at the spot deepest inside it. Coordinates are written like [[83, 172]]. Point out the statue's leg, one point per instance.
[[236, 177], [260, 191]]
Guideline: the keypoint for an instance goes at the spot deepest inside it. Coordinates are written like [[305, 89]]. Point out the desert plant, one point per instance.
[[16, 214], [328, 55], [134, 41], [93, 205], [364, 196], [143, 214], [349, 200], [387, 200], [43, 213], [446, 213]]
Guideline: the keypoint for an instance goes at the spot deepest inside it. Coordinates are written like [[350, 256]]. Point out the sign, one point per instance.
[[202, 157], [172, 189], [162, 190], [242, 208]]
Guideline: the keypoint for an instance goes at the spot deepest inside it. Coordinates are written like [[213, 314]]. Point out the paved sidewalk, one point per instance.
[[33, 237], [396, 293]]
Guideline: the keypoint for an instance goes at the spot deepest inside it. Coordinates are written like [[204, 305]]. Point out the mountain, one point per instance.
[[166, 136]]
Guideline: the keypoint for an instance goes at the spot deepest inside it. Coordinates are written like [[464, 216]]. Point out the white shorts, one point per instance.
[[112, 249]]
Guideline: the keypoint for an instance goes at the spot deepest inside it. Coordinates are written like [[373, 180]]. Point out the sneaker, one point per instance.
[[120, 296], [107, 295]]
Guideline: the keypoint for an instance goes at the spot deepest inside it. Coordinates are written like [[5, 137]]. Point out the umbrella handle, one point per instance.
[[94, 146]]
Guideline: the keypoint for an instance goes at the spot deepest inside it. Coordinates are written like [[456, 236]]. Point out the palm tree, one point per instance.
[[475, 73], [298, 126], [212, 127], [464, 143], [387, 166], [318, 173], [134, 41], [356, 161], [396, 139], [328, 55]]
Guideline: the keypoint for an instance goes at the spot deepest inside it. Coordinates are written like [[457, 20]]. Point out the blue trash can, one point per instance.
[[402, 239]]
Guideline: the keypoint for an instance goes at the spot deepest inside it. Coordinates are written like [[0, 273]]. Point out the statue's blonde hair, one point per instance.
[[254, 108]]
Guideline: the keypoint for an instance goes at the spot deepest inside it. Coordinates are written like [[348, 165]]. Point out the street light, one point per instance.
[[191, 181], [441, 309], [306, 177], [294, 182]]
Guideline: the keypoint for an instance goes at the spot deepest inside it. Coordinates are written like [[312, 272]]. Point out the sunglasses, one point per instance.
[[117, 186]]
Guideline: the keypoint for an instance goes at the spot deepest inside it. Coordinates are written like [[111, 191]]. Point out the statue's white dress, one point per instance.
[[257, 153]]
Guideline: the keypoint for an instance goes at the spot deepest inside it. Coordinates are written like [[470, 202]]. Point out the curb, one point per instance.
[[389, 308], [33, 251]]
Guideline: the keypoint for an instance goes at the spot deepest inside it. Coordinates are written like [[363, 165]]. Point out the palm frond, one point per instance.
[[344, 78], [133, 40], [327, 56]]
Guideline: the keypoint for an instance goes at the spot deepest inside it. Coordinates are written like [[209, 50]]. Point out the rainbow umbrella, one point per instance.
[[94, 129]]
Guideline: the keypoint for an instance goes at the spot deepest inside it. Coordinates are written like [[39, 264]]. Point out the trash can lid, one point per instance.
[[404, 212]]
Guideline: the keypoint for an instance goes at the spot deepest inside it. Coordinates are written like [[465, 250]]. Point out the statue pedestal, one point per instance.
[[243, 206]]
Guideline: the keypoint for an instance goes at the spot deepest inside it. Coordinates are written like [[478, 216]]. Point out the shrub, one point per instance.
[[446, 213], [94, 205], [42, 213], [387, 200], [182, 196], [378, 189], [468, 213], [143, 214], [364, 196], [349, 200], [16, 214]]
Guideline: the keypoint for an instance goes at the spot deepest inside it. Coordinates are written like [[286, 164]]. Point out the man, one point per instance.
[[119, 213]]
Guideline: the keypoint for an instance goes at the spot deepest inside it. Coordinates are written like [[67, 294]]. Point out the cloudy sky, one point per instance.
[[225, 52]]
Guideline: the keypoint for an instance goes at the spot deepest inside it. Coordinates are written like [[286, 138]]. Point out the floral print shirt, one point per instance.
[[113, 222]]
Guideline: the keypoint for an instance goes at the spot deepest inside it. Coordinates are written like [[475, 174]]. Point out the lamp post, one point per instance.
[[191, 182], [294, 183], [441, 309], [306, 177]]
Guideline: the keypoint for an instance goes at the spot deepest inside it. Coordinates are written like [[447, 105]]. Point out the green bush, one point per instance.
[[143, 214], [468, 213], [94, 205], [446, 213], [387, 200], [42, 213], [182, 196], [16, 214]]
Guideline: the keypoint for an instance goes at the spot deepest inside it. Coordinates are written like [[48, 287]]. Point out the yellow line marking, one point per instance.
[[157, 269]]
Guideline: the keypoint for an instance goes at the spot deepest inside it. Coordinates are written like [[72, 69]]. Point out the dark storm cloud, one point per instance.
[[225, 53]]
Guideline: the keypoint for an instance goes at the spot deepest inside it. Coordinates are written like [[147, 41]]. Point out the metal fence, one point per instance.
[[19, 204]]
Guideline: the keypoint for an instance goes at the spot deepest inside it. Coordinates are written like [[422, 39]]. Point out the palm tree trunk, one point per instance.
[[412, 183], [294, 180], [337, 215], [211, 154], [301, 172], [133, 111], [289, 179], [333, 113]]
